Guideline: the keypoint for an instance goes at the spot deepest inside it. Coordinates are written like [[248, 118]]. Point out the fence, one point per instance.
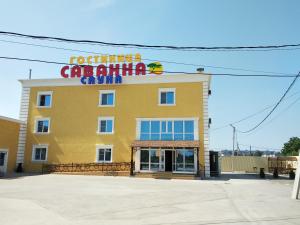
[[252, 164], [87, 167], [249, 164]]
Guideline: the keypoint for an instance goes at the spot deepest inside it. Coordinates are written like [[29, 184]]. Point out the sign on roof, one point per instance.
[[108, 69]]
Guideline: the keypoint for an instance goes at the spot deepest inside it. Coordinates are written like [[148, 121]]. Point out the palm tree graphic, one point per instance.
[[153, 66]]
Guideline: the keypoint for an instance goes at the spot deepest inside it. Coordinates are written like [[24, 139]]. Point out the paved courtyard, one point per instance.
[[89, 200]]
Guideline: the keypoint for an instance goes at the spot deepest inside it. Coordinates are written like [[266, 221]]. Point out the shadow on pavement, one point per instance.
[[247, 176], [12, 176]]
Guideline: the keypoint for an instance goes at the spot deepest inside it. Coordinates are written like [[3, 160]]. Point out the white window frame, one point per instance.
[[36, 125], [106, 118], [107, 92], [34, 147], [44, 93], [160, 90], [98, 147], [149, 159], [195, 119], [184, 163]]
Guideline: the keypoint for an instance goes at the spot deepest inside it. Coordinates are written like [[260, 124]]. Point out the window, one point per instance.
[[39, 153], [150, 159], [188, 130], [106, 125], [145, 130], [184, 160], [178, 130], [167, 96], [44, 99], [154, 130], [168, 130], [184, 130], [107, 98], [42, 125], [104, 153]]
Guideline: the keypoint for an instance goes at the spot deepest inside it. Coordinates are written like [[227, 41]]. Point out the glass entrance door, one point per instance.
[[150, 159], [185, 160], [3, 161]]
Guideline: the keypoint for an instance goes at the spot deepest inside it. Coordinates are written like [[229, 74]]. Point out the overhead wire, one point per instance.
[[279, 114], [165, 71], [145, 59], [252, 115], [273, 109], [135, 45]]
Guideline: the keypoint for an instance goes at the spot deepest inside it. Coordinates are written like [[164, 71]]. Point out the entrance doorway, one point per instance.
[[214, 163], [168, 160], [181, 160], [3, 161]]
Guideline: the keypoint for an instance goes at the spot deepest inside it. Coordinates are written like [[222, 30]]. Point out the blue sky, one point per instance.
[[171, 22]]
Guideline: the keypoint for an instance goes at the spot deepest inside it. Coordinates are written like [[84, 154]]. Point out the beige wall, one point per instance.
[[249, 164], [9, 134]]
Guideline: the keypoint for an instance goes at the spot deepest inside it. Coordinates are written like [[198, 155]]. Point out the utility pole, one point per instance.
[[238, 148], [29, 74], [233, 145], [233, 139], [250, 150]]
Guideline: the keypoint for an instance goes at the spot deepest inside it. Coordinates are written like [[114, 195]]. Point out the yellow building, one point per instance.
[[159, 122], [9, 137]]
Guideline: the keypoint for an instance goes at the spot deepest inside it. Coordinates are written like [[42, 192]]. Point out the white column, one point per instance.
[[296, 188], [195, 160], [205, 124], [161, 162], [23, 127], [137, 160]]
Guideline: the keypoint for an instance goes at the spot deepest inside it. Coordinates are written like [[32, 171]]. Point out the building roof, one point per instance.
[[10, 119], [141, 79], [170, 144]]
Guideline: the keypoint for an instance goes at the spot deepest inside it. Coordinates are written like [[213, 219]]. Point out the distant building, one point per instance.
[[267, 153]]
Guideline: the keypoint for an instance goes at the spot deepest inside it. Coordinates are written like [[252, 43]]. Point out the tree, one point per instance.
[[257, 153], [291, 147]]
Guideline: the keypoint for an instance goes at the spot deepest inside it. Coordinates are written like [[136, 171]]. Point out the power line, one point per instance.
[[146, 59], [172, 47], [286, 109], [253, 114], [171, 72], [278, 103], [281, 112]]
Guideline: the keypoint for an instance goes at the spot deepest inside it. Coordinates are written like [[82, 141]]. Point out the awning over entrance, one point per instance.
[[171, 144]]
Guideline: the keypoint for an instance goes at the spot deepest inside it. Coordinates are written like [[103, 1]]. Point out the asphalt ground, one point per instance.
[[77, 200]]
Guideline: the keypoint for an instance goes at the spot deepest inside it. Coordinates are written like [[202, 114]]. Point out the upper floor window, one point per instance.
[[168, 130], [166, 96], [39, 153], [104, 153], [42, 125], [105, 125], [44, 99], [107, 98]]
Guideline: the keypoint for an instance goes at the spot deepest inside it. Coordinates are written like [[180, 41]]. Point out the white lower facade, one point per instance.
[[176, 160]]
